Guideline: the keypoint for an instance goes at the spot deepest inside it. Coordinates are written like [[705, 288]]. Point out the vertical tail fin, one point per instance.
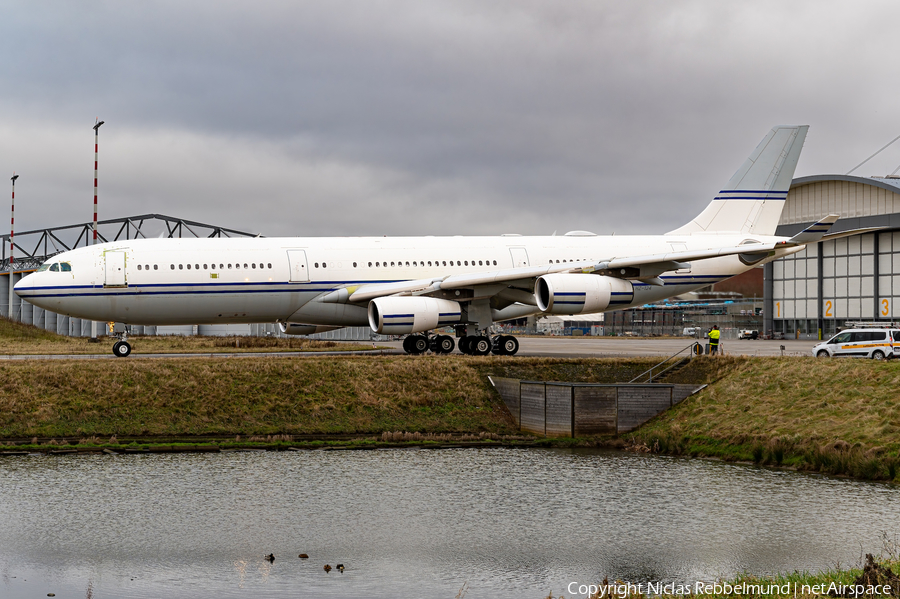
[[752, 200]]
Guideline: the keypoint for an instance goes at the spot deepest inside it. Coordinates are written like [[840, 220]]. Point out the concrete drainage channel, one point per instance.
[[584, 409]]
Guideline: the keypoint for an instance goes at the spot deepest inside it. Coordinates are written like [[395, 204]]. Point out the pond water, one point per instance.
[[412, 523]]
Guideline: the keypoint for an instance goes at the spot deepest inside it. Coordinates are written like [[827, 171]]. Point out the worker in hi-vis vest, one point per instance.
[[714, 340]]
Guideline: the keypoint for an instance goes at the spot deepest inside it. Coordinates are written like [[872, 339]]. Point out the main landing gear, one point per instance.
[[482, 345], [419, 344], [471, 345]]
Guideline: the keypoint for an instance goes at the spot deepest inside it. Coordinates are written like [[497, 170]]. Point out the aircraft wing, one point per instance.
[[420, 286], [640, 267], [644, 268]]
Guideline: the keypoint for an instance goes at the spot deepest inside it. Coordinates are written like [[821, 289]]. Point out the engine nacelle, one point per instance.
[[565, 293], [295, 328], [402, 315]]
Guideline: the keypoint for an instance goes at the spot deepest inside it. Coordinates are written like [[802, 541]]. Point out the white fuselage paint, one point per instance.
[[208, 281]]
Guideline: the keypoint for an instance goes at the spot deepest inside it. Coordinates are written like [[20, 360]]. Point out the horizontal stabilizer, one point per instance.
[[851, 233], [815, 232]]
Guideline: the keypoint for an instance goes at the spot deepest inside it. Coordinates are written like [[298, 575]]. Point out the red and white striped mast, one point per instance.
[[96, 153], [12, 232], [94, 241]]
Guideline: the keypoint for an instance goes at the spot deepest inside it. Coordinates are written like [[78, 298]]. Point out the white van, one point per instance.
[[874, 343]]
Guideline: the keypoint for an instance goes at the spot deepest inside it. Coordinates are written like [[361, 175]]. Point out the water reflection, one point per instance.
[[414, 523]]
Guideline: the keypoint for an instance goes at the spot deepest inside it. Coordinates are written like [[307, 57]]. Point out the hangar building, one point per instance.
[[814, 292]]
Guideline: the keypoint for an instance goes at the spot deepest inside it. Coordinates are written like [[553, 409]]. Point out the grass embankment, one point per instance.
[[22, 339], [273, 396], [830, 416]]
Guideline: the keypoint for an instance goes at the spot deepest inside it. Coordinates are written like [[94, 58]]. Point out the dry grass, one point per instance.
[[840, 416], [253, 396], [274, 395], [22, 339]]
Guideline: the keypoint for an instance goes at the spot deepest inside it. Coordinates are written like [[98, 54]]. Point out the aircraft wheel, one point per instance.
[[497, 346], [509, 345], [419, 344], [122, 349], [407, 344], [445, 344], [481, 346], [463, 345]]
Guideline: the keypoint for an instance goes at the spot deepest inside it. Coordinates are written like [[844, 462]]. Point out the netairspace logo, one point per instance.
[[623, 589]]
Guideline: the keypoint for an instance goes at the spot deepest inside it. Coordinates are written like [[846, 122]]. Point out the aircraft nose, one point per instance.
[[23, 283]]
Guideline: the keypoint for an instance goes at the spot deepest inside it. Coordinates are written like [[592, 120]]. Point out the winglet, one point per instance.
[[815, 232]]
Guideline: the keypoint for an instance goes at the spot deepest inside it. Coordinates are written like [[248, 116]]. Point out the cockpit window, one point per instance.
[[55, 267]]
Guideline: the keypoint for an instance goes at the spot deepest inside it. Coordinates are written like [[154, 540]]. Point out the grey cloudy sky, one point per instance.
[[371, 117]]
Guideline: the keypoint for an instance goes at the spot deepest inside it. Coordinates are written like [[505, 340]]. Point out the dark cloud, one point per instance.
[[402, 117]]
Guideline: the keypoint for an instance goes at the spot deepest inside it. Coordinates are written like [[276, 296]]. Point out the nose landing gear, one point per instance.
[[121, 348]]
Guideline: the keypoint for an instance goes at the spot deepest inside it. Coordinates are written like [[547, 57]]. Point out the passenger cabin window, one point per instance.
[[139, 267]]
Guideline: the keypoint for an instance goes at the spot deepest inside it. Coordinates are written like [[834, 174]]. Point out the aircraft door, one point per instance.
[[114, 271], [519, 257], [299, 268]]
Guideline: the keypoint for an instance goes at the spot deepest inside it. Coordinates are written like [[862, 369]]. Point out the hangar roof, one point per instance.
[[860, 201], [888, 183]]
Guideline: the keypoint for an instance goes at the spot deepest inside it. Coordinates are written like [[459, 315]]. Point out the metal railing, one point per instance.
[[694, 349]]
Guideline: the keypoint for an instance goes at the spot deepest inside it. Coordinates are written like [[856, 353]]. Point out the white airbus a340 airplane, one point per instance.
[[412, 285]]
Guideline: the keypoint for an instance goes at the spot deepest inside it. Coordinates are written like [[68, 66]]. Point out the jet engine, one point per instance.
[[565, 293], [402, 315]]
